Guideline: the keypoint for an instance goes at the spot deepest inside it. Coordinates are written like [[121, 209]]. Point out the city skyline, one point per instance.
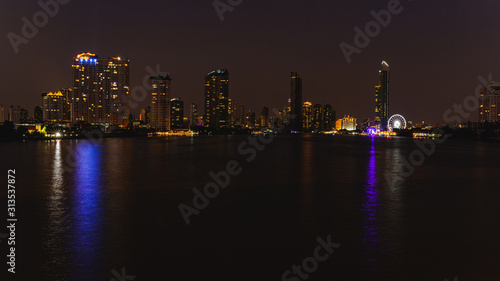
[[415, 51], [106, 99], [250, 140]]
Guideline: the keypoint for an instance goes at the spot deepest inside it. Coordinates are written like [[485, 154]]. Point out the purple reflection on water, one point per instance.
[[87, 216], [371, 239]]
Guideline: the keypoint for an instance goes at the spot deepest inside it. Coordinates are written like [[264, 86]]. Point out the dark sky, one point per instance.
[[436, 50]]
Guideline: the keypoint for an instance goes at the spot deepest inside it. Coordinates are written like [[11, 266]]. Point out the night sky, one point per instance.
[[436, 50]]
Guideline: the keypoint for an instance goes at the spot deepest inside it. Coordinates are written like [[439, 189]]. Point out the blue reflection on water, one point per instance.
[[371, 240], [88, 210]]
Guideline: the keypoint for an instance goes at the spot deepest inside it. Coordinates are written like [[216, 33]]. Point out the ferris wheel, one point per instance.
[[396, 121]]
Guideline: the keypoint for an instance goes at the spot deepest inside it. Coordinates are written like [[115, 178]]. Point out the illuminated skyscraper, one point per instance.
[[296, 102], [160, 103], [177, 113], [2, 114], [100, 90], [53, 105], [317, 117], [217, 99], [194, 114], [329, 117], [307, 115], [68, 101], [382, 97], [489, 103]]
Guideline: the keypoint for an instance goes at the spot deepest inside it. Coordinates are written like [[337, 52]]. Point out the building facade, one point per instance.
[[14, 114], [317, 118], [160, 102], [296, 102], [217, 99], [239, 114], [382, 97], [264, 118], [347, 123], [307, 116], [100, 90], [250, 120], [53, 106], [194, 115], [146, 114], [38, 114], [177, 113], [328, 117], [489, 103]]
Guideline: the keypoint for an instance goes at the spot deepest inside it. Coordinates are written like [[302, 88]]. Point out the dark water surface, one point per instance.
[[85, 210]]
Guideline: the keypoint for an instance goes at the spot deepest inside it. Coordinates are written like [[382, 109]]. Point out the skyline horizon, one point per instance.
[[436, 49], [136, 112]]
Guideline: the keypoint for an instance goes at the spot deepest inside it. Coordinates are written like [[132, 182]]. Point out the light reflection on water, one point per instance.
[[87, 214], [91, 218], [370, 209], [54, 245]]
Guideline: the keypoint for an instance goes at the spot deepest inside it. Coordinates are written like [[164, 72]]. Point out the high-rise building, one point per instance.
[[329, 117], [279, 119], [177, 113], [217, 99], [239, 114], [68, 98], [146, 114], [489, 103], [23, 115], [250, 119], [296, 102], [38, 114], [2, 114], [317, 117], [53, 106], [230, 112], [194, 114], [307, 114], [160, 102], [14, 114], [382, 97], [100, 90], [264, 117]]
